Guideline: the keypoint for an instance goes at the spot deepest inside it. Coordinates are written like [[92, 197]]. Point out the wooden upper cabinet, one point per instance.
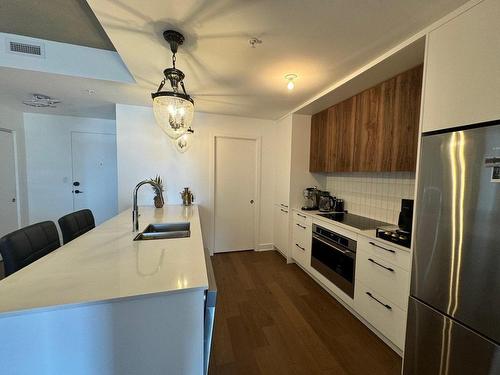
[[374, 131], [368, 135], [341, 126], [319, 138], [406, 120]]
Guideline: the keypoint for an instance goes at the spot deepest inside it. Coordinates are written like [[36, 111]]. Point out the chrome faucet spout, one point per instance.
[[135, 208]]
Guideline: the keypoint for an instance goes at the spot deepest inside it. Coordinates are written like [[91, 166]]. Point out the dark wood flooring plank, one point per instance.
[[272, 318]]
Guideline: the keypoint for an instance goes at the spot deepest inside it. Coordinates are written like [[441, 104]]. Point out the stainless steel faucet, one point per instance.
[[135, 210]]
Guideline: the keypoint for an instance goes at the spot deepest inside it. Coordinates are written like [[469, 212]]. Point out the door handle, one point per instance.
[[78, 191], [282, 210], [13, 200], [381, 247], [302, 216], [76, 183], [381, 265], [301, 226], [251, 201]]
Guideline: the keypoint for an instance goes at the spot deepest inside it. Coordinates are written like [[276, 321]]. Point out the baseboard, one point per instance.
[[264, 247]]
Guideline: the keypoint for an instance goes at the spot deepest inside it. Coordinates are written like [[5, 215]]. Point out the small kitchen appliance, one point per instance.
[[401, 233], [310, 199], [326, 202], [187, 197]]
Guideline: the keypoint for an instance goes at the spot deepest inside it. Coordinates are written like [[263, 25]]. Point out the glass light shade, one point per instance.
[[184, 142], [173, 114]]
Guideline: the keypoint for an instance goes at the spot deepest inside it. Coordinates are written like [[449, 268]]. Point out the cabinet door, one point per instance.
[[281, 229], [341, 126], [406, 115], [319, 142], [368, 134], [462, 73]]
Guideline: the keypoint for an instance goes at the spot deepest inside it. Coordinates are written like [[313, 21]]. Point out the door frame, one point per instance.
[[16, 168], [258, 158]]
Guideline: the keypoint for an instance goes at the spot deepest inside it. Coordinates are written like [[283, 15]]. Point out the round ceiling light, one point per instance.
[[174, 109], [291, 81]]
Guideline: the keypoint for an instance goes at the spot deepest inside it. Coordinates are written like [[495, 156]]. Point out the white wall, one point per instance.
[[144, 151], [13, 120], [375, 195], [48, 161]]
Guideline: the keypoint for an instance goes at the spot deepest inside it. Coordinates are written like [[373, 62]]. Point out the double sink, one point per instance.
[[162, 231]]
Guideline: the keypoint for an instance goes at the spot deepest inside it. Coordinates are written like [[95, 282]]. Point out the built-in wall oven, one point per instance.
[[334, 256]]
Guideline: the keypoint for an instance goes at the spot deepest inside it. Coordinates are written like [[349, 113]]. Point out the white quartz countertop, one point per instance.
[[370, 233], [106, 264]]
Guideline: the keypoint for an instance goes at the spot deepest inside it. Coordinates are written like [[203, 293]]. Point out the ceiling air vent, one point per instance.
[[26, 48]]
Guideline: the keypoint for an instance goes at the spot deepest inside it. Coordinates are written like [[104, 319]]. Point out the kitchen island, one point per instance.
[[106, 304]]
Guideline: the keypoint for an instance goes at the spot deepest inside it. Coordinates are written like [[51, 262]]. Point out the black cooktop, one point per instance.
[[356, 221]]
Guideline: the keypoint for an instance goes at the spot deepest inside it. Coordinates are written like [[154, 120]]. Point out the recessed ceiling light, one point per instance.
[[291, 81], [90, 91]]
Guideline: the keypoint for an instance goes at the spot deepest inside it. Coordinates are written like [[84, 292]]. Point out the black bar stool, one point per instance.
[[26, 245], [75, 224]]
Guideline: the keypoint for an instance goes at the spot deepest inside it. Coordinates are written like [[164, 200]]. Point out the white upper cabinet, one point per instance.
[[462, 79]]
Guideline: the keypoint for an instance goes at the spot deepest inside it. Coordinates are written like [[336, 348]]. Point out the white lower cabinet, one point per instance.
[[281, 228], [301, 240], [383, 277], [381, 313], [382, 287]]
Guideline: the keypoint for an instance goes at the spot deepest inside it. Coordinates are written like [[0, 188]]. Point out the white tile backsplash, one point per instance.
[[374, 195]]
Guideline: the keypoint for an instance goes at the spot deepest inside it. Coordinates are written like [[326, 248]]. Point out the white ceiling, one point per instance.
[[18, 85], [319, 40], [66, 21]]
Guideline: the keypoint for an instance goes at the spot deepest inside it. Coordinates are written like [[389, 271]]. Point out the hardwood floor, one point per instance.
[[272, 318]]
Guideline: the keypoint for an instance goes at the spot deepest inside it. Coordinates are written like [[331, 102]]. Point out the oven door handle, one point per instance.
[[345, 252]]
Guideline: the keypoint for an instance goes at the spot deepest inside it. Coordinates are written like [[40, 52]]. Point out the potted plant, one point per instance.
[[158, 199]]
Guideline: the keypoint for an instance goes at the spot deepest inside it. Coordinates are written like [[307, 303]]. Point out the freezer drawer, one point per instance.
[[437, 345]]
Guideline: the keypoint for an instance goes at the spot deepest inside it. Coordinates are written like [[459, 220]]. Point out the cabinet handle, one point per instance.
[[381, 265], [283, 205], [300, 247], [376, 299], [302, 216], [381, 247], [285, 211], [301, 226]]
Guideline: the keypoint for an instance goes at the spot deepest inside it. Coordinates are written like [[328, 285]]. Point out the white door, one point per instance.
[[235, 178], [8, 200], [95, 174]]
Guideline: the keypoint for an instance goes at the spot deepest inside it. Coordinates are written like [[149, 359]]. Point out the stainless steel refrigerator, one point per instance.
[[454, 310]]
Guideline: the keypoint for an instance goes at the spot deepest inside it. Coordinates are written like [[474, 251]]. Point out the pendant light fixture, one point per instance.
[[173, 109], [184, 142]]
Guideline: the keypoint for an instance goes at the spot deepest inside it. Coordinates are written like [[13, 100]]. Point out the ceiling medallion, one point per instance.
[[41, 101], [173, 109]]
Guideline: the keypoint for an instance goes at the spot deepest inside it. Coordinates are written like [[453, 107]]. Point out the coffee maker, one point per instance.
[[310, 199]]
